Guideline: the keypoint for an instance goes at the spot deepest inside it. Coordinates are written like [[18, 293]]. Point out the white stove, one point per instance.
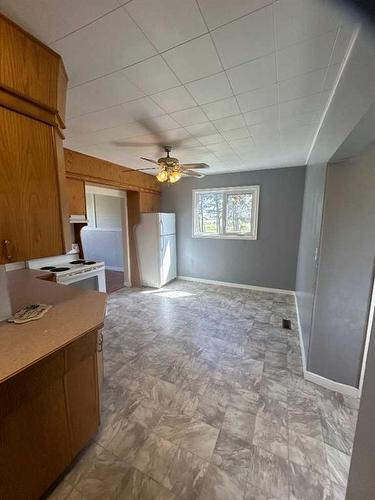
[[71, 270]]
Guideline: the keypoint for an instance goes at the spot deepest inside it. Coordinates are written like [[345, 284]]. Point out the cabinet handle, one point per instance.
[[100, 341], [7, 245]]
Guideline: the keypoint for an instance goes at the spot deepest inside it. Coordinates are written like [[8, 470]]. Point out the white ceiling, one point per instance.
[[244, 83]]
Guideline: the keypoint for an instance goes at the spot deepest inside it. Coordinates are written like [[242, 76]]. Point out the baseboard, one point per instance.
[[327, 383], [348, 390], [302, 345], [236, 285]]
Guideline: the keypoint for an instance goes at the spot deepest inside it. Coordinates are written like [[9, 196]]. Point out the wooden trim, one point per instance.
[[97, 171], [106, 182], [22, 104]]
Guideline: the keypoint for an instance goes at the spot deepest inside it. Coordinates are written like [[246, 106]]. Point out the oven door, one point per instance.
[[89, 280]]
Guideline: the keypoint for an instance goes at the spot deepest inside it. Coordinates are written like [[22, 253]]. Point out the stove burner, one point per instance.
[[79, 261], [47, 268], [89, 262], [60, 269]]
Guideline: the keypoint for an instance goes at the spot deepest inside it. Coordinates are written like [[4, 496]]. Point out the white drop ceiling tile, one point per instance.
[[99, 94], [167, 23], [271, 113], [245, 39], [190, 116], [210, 89], [141, 109], [222, 149], [297, 20], [256, 99], [152, 75], [222, 108], [174, 99], [109, 44], [160, 123], [217, 13], [305, 56], [229, 123], [304, 118], [301, 86], [51, 20], [253, 75], [309, 104], [235, 134], [210, 140], [201, 130], [91, 122], [193, 60]]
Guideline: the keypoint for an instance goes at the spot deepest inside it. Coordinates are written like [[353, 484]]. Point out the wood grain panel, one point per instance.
[[132, 200], [30, 69], [76, 196], [103, 172], [26, 65], [29, 195], [34, 436], [48, 413], [149, 202]]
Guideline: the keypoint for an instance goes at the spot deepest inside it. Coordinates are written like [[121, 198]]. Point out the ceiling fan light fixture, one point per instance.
[[174, 176], [162, 176]]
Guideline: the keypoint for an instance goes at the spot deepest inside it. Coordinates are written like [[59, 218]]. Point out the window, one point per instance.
[[226, 212]]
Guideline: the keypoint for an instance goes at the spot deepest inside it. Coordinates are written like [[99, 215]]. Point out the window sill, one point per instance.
[[225, 237]]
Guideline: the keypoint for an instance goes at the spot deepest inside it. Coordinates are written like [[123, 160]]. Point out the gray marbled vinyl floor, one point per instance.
[[204, 399]]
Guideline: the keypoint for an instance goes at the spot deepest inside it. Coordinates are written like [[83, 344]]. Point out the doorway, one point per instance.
[[105, 238]]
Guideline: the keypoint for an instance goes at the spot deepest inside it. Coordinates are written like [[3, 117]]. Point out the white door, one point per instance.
[[167, 224], [168, 266]]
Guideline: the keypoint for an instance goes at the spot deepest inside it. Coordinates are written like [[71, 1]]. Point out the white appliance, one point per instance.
[[156, 247], [69, 269]]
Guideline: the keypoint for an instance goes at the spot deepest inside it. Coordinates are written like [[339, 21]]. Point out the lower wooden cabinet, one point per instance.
[[48, 413]]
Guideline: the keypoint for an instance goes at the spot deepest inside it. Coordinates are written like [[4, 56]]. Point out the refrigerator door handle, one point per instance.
[[161, 228]]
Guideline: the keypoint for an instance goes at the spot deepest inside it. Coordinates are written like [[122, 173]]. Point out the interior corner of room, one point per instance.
[[187, 248]]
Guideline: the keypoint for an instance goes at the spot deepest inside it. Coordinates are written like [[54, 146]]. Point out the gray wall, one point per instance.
[[354, 95], [102, 239], [269, 261], [309, 247], [345, 275], [361, 483]]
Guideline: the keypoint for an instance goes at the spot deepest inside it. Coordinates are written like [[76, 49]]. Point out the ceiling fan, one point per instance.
[[171, 170]]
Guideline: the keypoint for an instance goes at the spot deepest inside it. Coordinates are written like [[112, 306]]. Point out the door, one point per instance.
[[168, 270], [167, 224]]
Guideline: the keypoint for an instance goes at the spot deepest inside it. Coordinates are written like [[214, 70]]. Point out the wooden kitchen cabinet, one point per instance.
[[30, 217], [76, 196], [33, 218], [48, 413]]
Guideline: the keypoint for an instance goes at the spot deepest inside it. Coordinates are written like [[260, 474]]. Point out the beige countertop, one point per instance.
[[75, 311]]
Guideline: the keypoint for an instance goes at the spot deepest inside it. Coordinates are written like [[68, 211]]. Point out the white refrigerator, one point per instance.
[[156, 248]]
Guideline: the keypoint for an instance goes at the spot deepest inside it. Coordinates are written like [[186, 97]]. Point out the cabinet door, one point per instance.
[[29, 193], [76, 196], [81, 382]]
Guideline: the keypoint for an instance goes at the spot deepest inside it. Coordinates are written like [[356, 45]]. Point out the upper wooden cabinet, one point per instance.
[[75, 189], [33, 216], [31, 70]]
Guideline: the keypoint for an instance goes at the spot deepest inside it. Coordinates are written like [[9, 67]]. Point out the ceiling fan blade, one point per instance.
[[142, 169], [193, 174], [195, 165], [151, 161]]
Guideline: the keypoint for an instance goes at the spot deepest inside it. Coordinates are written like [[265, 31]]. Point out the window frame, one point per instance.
[[253, 235]]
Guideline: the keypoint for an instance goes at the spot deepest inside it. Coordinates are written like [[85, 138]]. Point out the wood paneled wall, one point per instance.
[[95, 170]]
